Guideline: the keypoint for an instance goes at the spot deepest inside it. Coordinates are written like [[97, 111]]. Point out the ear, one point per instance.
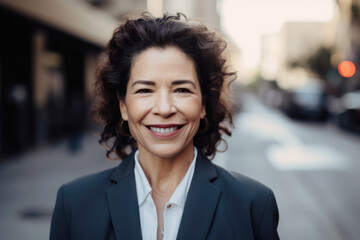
[[203, 111], [123, 108]]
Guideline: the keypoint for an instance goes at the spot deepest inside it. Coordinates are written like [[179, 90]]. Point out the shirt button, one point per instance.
[[169, 206]]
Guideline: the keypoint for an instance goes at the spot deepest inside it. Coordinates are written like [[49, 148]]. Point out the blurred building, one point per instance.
[[118, 9], [204, 10], [287, 53], [346, 29], [48, 51], [299, 40], [270, 56], [283, 51], [345, 40]]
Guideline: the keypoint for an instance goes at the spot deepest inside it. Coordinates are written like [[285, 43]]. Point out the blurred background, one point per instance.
[[296, 104]]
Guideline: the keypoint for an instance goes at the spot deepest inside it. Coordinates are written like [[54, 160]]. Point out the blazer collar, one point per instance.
[[125, 168], [200, 206], [201, 202], [122, 200]]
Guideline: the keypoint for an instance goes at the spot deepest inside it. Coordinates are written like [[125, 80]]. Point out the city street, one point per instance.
[[312, 167]]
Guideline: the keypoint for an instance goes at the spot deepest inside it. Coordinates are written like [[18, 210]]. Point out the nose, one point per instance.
[[164, 104]]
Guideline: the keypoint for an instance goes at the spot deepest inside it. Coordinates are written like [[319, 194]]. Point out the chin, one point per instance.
[[166, 151]]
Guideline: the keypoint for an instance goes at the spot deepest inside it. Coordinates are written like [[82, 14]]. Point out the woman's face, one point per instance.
[[163, 103]]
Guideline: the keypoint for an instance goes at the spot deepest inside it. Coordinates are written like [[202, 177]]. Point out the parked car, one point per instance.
[[347, 115], [307, 102]]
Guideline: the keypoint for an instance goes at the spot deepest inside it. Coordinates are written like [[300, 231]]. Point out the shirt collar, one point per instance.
[[179, 196], [143, 187]]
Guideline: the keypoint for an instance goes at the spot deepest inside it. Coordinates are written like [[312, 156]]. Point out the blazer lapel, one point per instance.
[[201, 202], [123, 203]]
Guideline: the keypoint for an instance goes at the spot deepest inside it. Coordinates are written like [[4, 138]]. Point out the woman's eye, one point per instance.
[[182, 90], [143, 90]]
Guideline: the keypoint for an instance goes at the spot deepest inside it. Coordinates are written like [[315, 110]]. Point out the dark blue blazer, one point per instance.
[[220, 205]]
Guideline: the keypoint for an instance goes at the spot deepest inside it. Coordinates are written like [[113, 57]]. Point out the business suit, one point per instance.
[[219, 205]]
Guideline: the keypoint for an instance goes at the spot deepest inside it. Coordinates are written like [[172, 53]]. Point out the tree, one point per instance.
[[320, 62]]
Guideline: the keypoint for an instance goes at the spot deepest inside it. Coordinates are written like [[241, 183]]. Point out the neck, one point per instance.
[[165, 174]]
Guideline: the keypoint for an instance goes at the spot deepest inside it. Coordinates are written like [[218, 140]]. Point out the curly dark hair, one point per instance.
[[203, 46]]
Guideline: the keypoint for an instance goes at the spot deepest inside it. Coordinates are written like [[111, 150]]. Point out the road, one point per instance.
[[313, 169]]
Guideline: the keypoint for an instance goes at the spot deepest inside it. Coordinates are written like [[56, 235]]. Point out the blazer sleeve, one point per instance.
[[59, 224], [269, 221]]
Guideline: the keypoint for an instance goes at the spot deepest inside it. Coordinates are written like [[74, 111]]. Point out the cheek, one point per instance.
[[192, 109], [134, 118], [135, 109], [135, 115]]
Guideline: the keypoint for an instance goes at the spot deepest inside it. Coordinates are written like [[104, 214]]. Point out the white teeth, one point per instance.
[[163, 130]]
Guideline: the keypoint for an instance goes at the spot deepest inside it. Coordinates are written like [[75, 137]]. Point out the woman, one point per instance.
[[162, 111]]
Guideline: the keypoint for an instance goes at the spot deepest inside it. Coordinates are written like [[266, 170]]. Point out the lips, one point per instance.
[[164, 130]]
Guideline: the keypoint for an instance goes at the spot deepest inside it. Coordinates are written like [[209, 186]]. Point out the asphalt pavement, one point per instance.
[[29, 183]]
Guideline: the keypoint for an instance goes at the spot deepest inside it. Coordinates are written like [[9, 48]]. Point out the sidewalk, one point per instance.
[[29, 183]]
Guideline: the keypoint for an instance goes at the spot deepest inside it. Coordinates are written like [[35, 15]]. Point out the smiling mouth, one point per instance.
[[165, 129]]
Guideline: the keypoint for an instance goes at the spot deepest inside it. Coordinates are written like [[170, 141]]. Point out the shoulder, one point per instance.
[[95, 185], [252, 199], [252, 202], [87, 186], [103, 179], [239, 185], [91, 180], [233, 185]]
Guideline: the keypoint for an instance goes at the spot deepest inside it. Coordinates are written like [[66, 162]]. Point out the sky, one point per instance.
[[245, 21]]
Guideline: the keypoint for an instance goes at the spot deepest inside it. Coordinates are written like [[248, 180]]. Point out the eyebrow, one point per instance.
[[146, 82], [151, 83], [179, 82]]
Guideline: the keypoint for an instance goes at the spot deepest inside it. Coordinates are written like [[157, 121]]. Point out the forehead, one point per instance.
[[169, 63]]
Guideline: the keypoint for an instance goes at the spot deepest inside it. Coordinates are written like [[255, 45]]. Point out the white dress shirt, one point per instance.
[[173, 208]]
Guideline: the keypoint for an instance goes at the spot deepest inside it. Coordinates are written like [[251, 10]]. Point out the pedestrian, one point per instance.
[[163, 112]]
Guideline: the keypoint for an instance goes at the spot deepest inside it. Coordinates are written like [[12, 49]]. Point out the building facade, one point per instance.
[[48, 51]]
